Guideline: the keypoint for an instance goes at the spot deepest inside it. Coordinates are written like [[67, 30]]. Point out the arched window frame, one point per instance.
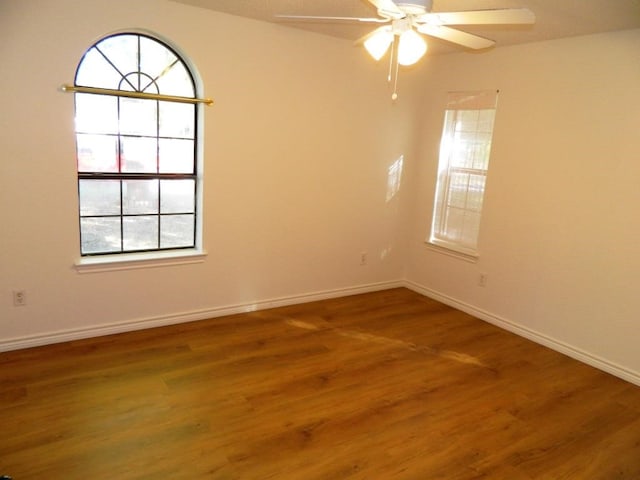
[[162, 180]]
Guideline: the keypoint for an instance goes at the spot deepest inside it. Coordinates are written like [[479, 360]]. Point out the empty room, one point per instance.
[[320, 239]]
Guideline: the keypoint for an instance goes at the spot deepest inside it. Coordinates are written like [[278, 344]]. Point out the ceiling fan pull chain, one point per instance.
[[393, 44], [394, 95]]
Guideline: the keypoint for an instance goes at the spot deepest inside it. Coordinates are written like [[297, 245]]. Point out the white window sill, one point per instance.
[[452, 251], [110, 263]]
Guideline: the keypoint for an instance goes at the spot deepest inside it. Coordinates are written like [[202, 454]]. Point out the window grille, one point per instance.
[[136, 142]]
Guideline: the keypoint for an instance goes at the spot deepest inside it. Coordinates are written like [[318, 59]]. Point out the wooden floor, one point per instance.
[[388, 385]]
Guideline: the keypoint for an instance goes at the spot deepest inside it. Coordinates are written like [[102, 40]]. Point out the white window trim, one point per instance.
[[131, 261], [452, 250], [155, 258]]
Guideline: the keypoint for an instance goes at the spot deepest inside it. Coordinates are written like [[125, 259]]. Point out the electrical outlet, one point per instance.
[[482, 280], [19, 298], [363, 258]]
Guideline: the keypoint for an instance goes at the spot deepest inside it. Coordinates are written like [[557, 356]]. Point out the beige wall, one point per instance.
[[297, 151], [560, 232]]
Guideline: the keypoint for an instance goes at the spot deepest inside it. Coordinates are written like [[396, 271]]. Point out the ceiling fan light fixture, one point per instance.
[[378, 43], [411, 48]]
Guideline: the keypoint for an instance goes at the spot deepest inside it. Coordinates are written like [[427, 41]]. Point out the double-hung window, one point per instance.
[[137, 143], [462, 170]]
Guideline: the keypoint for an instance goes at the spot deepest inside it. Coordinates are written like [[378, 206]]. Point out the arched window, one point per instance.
[[137, 144]]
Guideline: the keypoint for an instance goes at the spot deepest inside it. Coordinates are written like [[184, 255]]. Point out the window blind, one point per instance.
[[462, 169]]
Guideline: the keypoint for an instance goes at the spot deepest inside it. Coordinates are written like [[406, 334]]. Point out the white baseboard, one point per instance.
[[183, 317], [513, 327]]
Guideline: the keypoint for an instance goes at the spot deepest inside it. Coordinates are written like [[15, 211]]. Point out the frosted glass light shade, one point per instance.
[[378, 43], [411, 48]]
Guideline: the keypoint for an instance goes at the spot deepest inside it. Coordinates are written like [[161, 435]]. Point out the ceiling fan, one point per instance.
[[404, 20]]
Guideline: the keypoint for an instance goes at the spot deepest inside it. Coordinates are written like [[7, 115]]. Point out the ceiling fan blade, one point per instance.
[[506, 16], [387, 8], [456, 36], [309, 18]]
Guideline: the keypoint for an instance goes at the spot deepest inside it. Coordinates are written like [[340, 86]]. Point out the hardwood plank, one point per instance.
[[386, 385]]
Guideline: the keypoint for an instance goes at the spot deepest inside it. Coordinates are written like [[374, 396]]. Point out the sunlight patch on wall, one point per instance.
[[394, 178]]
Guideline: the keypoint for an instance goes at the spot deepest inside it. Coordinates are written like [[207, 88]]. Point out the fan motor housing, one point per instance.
[[415, 7]]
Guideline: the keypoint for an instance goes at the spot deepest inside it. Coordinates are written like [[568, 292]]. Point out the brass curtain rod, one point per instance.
[[125, 93]]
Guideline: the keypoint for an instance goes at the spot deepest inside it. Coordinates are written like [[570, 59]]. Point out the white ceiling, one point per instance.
[[554, 18]]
